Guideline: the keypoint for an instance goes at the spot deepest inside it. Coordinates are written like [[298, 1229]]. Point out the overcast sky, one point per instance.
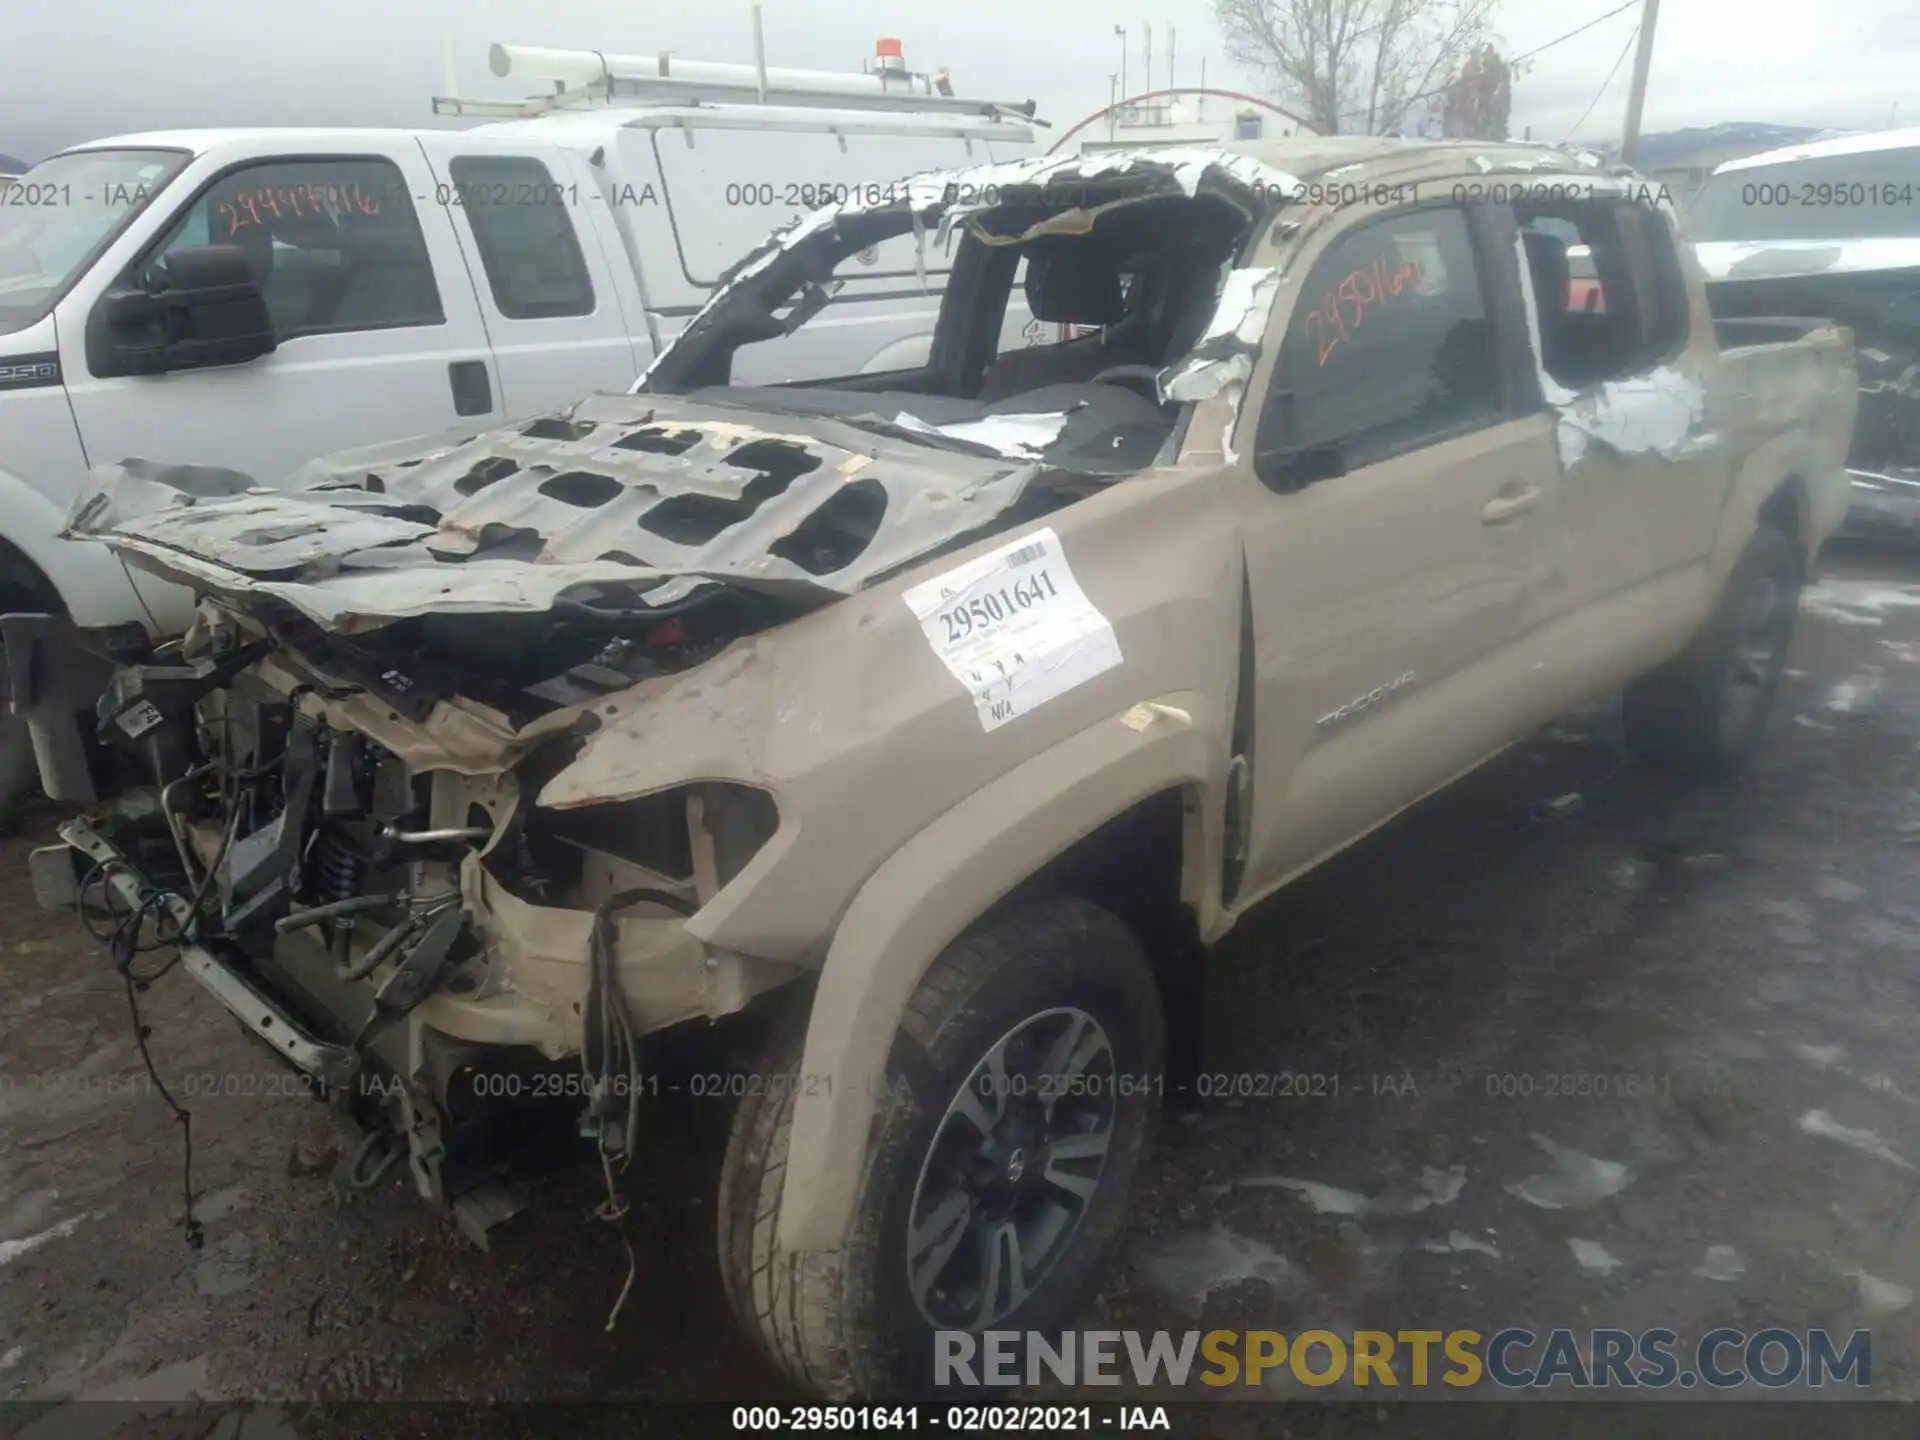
[[76, 69]]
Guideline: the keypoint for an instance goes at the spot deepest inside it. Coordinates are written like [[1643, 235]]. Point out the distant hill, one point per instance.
[[11, 166]]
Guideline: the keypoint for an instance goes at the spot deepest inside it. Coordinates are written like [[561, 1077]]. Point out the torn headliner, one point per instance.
[[621, 497]]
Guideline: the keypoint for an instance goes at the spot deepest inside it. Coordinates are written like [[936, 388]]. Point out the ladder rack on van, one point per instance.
[[588, 79]]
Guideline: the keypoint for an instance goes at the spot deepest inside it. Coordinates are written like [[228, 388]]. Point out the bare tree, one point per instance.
[[1355, 66], [1476, 103]]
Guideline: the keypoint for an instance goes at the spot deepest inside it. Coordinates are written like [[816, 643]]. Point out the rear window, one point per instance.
[[1836, 197], [526, 238]]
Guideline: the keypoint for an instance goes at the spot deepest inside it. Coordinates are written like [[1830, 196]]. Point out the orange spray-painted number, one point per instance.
[[1344, 306], [265, 203]]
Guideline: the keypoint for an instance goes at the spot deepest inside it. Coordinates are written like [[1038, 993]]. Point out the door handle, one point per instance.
[[472, 390], [1503, 509]]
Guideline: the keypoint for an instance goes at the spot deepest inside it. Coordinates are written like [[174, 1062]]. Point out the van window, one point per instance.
[[1607, 285], [336, 244], [1389, 343], [525, 236]]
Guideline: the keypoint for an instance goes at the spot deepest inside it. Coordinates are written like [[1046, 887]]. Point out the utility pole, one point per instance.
[[1637, 95], [1121, 31], [1148, 85]]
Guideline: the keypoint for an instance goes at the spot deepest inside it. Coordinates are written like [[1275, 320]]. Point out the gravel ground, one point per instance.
[[1733, 967]]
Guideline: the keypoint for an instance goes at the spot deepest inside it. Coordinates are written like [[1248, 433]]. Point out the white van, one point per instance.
[[416, 281]]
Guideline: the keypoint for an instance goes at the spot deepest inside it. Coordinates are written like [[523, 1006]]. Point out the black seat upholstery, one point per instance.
[[1069, 282]]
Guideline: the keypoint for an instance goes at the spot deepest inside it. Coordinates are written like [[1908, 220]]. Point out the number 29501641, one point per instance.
[[985, 610]]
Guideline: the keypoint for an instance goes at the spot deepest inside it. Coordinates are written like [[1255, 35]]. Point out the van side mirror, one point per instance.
[[201, 307]]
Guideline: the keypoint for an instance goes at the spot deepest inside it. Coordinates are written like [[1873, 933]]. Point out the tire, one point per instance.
[[19, 772], [861, 1320], [1703, 712]]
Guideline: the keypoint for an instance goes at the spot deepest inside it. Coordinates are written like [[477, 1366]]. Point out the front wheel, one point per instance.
[[1704, 711], [1020, 1095]]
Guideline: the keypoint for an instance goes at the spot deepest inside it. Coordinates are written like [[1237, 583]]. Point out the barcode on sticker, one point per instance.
[[1026, 553]]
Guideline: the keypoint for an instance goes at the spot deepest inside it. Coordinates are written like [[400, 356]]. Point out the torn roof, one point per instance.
[[943, 197], [618, 498]]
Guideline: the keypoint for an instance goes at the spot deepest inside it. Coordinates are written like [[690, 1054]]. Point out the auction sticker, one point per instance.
[[1014, 627]]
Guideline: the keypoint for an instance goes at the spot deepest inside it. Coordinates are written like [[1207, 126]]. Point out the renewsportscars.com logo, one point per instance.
[[1510, 1359]]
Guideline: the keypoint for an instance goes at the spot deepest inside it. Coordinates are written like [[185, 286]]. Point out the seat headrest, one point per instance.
[[1073, 283]]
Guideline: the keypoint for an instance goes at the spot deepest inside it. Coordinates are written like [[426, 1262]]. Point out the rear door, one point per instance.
[[552, 304], [380, 335], [1400, 527]]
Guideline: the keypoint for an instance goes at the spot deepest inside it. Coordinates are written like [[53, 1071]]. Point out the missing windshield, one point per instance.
[[1062, 306]]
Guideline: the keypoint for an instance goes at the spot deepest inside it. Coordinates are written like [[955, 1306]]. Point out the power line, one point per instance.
[[1604, 84], [1515, 60], [1571, 33]]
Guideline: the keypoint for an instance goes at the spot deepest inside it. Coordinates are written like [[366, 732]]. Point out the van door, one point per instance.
[[551, 303], [379, 331]]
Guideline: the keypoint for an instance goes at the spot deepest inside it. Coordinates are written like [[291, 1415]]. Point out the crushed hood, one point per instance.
[[628, 500]]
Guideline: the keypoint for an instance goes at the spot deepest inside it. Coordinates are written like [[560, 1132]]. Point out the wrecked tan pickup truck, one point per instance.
[[924, 726]]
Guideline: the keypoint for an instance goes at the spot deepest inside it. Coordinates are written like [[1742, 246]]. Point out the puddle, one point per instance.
[[225, 1267], [1819, 1122], [1189, 1268], [1593, 1257], [1577, 1180], [220, 1204]]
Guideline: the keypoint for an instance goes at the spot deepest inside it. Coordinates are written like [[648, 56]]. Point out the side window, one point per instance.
[[1607, 285], [1389, 344], [527, 242], [336, 244]]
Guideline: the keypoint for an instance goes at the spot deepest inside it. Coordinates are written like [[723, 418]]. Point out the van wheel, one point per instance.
[[19, 772], [1020, 1096], [1704, 711]]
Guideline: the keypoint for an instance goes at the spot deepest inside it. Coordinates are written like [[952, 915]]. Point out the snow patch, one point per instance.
[[1819, 1122], [1576, 1181]]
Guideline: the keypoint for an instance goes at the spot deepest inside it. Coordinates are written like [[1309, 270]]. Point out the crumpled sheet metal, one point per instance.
[[1657, 413], [1026, 436], [984, 183], [1225, 353], [566, 506]]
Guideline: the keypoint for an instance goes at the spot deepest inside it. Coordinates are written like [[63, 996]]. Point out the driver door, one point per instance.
[[379, 333]]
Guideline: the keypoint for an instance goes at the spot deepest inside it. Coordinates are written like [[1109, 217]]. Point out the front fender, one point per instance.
[[86, 576], [938, 883]]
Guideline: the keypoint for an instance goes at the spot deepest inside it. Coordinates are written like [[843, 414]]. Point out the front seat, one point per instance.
[[1069, 282]]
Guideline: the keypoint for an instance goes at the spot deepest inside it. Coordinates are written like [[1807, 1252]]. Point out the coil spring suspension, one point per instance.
[[337, 871]]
